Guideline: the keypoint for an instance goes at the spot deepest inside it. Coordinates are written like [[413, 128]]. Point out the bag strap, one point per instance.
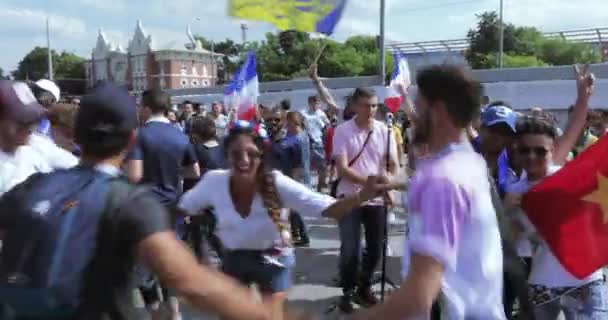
[[369, 135]]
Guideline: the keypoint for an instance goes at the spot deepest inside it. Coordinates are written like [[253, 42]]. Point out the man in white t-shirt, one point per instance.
[[19, 116], [316, 121], [453, 250], [220, 119]]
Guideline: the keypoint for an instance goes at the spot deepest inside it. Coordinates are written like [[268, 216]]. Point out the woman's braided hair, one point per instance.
[[265, 179]]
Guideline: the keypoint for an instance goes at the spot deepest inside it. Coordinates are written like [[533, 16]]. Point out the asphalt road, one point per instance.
[[316, 268]]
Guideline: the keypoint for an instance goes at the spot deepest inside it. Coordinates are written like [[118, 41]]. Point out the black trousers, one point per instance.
[[298, 228], [510, 293], [373, 220]]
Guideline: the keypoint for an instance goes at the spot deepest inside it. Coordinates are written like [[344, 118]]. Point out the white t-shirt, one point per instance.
[[15, 168], [256, 231], [55, 156], [315, 123], [546, 269], [220, 125]]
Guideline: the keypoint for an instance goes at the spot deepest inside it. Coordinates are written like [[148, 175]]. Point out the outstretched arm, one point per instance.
[[324, 93], [578, 118]]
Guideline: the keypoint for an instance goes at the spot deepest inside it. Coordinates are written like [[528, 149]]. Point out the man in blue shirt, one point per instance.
[[161, 156], [498, 122]]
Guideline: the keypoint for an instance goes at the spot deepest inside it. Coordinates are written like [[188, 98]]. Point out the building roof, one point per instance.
[[141, 42]]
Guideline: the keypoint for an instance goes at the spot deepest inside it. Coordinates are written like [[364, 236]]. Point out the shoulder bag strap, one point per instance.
[[369, 135]]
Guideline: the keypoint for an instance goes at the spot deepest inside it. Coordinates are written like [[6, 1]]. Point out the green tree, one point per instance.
[[69, 66], [2, 75], [231, 52], [523, 46], [34, 65], [561, 52]]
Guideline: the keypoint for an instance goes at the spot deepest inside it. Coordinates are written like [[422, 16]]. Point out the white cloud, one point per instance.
[[557, 15], [114, 6], [28, 23]]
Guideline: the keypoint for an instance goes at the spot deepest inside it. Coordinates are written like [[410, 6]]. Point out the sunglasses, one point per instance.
[[540, 152], [236, 154], [273, 120]]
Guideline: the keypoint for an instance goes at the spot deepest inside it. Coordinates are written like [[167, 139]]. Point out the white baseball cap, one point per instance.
[[49, 86]]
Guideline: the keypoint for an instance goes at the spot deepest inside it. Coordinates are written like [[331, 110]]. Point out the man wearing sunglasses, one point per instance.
[[494, 143]]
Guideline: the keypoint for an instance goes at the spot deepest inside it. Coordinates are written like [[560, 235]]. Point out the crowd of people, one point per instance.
[[103, 196]]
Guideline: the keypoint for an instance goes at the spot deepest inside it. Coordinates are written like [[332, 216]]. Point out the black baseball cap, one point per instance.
[[108, 111]]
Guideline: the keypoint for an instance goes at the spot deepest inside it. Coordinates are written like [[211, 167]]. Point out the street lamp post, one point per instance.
[[501, 38], [381, 43], [48, 48]]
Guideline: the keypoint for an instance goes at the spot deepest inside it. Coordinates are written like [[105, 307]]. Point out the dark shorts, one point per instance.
[[249, 267]]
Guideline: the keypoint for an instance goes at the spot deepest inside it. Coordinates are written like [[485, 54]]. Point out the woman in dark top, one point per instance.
[[210, 156]]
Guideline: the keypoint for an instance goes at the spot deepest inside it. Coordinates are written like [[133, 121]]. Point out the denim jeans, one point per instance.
[[373, 219], [586, 303]]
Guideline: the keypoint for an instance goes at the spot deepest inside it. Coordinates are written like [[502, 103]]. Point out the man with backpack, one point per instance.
[[72, 237]]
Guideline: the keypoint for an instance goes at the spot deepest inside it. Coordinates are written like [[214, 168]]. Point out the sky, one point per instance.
[[74, 24]]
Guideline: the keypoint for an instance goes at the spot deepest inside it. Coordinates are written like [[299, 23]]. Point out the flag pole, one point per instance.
[[48, 48], [381, 43]]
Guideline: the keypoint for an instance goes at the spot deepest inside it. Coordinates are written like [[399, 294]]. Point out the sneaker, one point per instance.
[[346, 303], [302, 242], [366, 297]]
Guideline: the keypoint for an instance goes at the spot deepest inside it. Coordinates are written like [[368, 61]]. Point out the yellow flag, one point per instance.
[[302, 15]]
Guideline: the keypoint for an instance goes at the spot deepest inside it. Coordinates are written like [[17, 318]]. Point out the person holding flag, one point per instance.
[[243, 90], [396, 92], [553, 220]]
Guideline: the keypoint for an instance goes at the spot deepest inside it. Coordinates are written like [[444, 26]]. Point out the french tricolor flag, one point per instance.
[[243, 90], [401, 76]]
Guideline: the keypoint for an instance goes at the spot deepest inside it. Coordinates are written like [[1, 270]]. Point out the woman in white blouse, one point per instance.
[[247, 199]]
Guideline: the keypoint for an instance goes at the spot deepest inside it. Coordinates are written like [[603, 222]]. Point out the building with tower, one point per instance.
[[146, 63]]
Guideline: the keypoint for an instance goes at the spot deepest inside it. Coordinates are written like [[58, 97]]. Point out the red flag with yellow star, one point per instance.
[[570, 211]]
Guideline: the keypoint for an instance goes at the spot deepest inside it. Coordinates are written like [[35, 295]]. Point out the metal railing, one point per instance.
[[593, 36]]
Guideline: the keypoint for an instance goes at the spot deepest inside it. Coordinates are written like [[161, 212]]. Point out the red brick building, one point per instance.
[[146, 64]]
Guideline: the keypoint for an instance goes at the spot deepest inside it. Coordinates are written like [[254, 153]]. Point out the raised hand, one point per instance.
[[584, 82], [312, 72]]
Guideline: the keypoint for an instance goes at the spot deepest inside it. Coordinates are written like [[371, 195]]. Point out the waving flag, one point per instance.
[[303, 15], [401, 76], [570, 211], [242, 92]]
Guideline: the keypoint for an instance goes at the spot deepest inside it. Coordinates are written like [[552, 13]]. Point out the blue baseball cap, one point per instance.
[[499, 114]]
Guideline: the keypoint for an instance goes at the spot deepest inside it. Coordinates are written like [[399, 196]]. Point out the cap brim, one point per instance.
[[510, 124]]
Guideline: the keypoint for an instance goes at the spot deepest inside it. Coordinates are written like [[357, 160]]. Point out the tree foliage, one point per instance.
[[288, 56], [34, 65], [523, 46], [2, 75]]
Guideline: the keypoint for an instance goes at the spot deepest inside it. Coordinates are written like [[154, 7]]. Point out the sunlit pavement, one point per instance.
[[316, 268]]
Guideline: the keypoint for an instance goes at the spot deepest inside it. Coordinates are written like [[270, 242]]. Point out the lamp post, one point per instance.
[[381, 43], [48, 48], [501, 38]]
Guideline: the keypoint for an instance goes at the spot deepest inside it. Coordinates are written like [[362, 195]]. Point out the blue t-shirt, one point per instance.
[[44, 127], [164, 149]]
